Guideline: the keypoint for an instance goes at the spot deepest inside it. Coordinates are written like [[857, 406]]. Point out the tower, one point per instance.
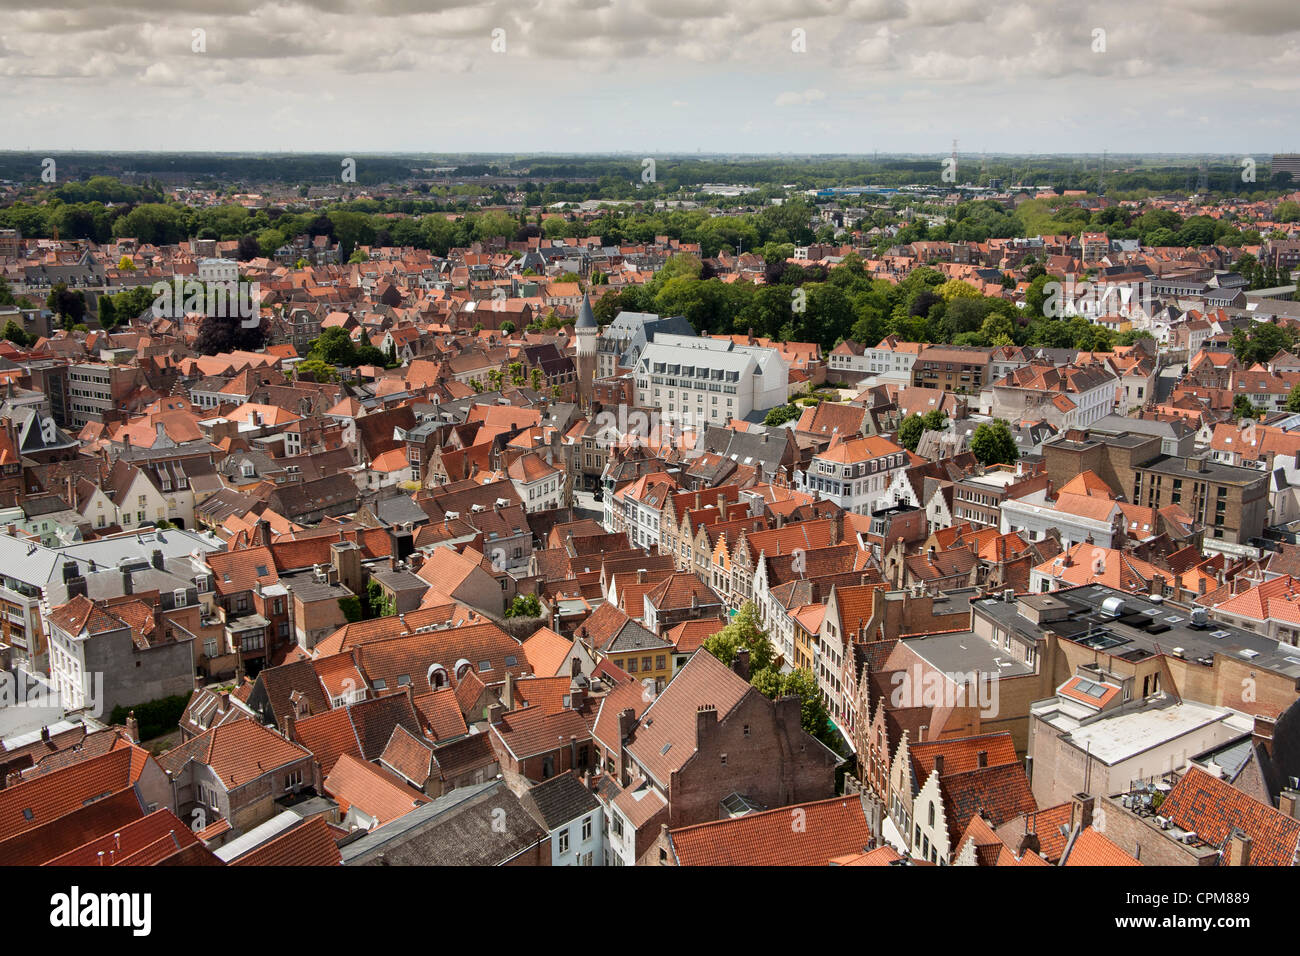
[[585, 331]]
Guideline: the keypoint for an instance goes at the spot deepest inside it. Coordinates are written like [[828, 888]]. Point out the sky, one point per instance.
[[670, 76]]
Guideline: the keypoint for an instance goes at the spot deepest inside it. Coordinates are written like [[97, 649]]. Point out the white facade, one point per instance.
[[218, 270], [856, 475], [1032, 516], [699, 380], [580, 842]]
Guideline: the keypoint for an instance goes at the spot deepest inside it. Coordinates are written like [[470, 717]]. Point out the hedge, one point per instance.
[[155, 717]]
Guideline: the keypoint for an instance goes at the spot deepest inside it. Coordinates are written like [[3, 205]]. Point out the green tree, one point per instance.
[[994, 444], [744, 631], [1242, 407], [780, 415], [318, 370], [525, 605], [814, 718], [16, 334], [910, 431], [1292, 400]]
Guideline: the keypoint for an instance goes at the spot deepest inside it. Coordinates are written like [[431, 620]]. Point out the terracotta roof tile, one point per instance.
[[828, 829]]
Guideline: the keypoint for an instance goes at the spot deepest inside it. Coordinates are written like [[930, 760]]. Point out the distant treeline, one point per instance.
[[621, 177]]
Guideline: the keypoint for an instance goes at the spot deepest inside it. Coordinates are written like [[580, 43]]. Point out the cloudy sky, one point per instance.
[[800, 76]]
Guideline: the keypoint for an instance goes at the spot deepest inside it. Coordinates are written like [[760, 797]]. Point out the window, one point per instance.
[[564, 841], [586, 829], [293, 779]]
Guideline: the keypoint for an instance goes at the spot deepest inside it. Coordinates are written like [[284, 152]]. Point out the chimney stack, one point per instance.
[[1081, 807], [741, 663], [132, 727], [1238, 849]]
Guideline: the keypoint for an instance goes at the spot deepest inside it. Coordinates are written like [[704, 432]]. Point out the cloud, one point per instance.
[[385, 61], [799, 99]]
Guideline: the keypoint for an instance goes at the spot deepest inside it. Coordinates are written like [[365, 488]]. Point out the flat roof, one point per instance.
[[965, 651], [1115, 739], [1143, 629]]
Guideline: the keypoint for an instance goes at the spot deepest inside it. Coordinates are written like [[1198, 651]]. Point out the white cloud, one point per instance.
[[799, 99]]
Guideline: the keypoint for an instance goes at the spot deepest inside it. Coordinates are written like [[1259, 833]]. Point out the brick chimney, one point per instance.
[[132, 727], [1237, 852], [706, 722], [938, 764], [1081, 806], [626, 721], [741, 663]]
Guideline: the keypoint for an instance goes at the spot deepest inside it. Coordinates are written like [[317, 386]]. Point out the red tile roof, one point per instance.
[[377, 793], [806, 834], [1212, 809], [665, 736], [311, 844]]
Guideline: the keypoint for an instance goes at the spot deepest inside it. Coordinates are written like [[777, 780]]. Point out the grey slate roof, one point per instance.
[[559, 801], [482, 825]]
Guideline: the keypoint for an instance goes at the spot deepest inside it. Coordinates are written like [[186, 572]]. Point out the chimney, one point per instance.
[[722, 505], [223, 702], [126, 582], [626, 721], [938, 764], [1238, 849], [494, 713], [156, 559], [1081, 806], [1288, 801], [577, 697], [1157, 585], [508, 692], [741, 663], [290, 726], [982, 758], [706, 721], [573, 752]]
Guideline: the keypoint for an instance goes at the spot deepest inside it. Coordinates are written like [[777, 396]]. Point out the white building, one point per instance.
[[218, 270], [700, 380], [855, 474], [540, 485]]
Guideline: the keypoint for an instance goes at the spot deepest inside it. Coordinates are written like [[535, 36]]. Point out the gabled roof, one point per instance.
[[665, 737], [559, 801], [377, 793], [830, 829], [237, 753]]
